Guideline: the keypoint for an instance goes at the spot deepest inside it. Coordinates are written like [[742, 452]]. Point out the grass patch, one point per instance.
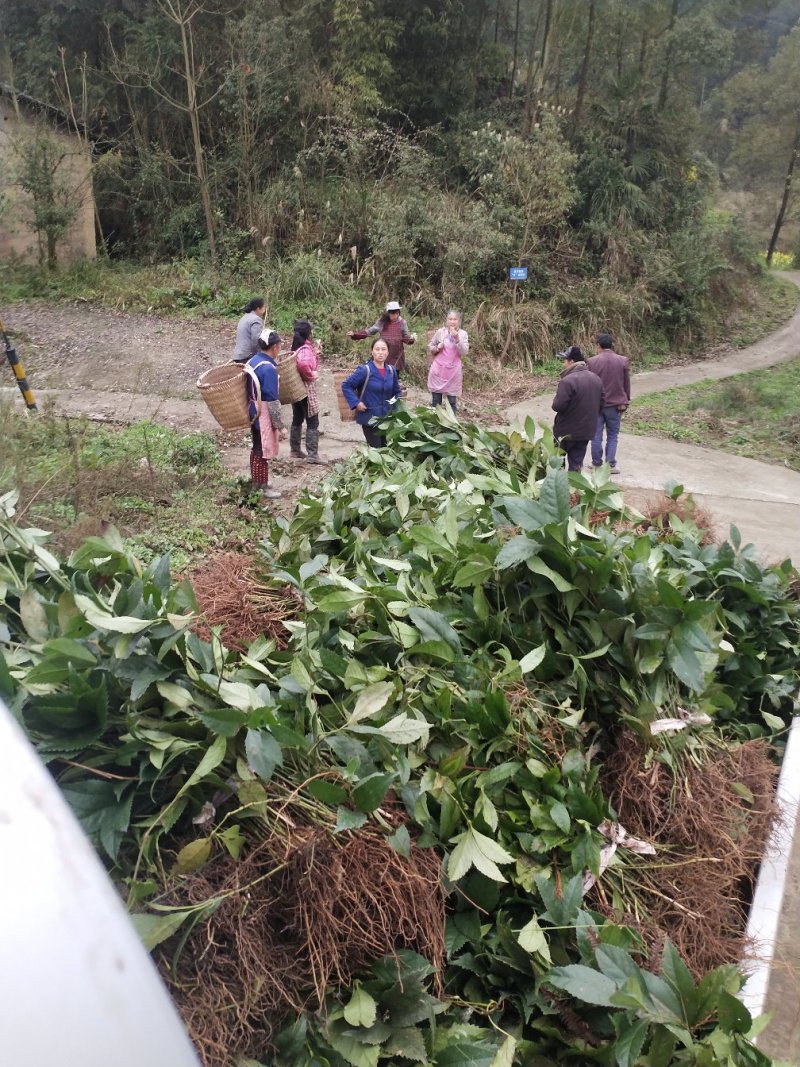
[[767, 306], [756, 415], [165, 491]]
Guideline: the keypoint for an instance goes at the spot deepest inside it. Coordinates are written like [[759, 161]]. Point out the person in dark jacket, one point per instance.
[[393, 328], [614, 371], [264, 410], [372, 390], [578, 401]]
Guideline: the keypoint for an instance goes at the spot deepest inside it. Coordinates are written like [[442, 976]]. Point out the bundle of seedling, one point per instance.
[[512, 745]]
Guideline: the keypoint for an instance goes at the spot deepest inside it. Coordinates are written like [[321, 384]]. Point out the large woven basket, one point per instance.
[[346, 413], [223, 389], [291, 386]]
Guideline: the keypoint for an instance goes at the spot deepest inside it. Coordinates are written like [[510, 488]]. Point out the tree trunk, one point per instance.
[[664, 90], [530, 72], [194, 116], [476, 62], [514, 59], [583, 77], [787, 190]]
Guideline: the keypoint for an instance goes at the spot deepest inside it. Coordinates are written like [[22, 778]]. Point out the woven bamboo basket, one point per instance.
[[346, 413], [223, 389], [291, 386]]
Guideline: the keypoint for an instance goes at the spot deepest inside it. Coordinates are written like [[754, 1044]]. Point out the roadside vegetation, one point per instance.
[[163, 490], [756, 415], [489, 787]]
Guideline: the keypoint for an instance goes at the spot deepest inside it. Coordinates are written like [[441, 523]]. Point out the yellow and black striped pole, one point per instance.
[[19, 371]]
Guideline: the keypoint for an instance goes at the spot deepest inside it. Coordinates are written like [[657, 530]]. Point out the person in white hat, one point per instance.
[[394, 331]]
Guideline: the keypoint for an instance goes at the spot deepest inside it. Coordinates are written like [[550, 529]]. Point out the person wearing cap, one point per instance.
[[248, 329], [578, 402], [614, 371], [394, 331], [264, 409]]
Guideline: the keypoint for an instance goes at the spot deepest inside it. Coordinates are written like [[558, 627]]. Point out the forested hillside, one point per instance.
[[631, 153]]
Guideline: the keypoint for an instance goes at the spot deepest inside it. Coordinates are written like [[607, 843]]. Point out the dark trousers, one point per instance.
[[437, 399], [300, 414], [373, 438], [576, 452]]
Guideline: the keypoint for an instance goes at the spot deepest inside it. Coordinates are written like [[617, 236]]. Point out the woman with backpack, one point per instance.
[[264, 409], [372, 391]]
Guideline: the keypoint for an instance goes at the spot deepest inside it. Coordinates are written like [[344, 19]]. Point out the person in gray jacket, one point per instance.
[[578, 401], [248, 329]]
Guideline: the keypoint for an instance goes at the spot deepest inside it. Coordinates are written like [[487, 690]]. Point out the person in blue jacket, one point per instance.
[[372, 390], [266, 421]]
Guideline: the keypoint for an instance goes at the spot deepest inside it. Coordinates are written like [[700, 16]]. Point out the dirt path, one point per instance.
[[114, 366]]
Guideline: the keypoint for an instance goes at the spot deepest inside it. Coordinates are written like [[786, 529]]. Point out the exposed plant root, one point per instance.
[[230, 594], [657, 509], [710, 825], [306, 910]]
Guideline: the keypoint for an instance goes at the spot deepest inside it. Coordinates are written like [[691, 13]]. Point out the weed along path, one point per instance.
[[119, 367]]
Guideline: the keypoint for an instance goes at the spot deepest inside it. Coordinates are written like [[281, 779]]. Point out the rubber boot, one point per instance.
[[295, 435], [312, 447]]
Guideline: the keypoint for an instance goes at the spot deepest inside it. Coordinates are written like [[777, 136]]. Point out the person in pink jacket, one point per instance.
[[306, 410], [447, 347]]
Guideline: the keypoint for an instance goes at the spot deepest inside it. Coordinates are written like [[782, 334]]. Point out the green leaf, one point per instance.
[[539, 567], [153, 929], [560, 816], [408, 1043], [102, 810], [353, 1051], [554, 495], [631, 1036], [517, 550], [193, 856], [505, 1054], [466, 1052], [372, 700], [402, 730], [263, 752], [74, 651], [476, 850], [474, 572], [734, 1018], [370, 791], [677, 974], [684, 661], [175, 694], [327, 792], [400, 841], [529, 515], [103, 620], [361, 1009], [339, 600], [213, 756], [531, 660], [223, 721], [349, 820], [434, 627], [583, 983], [33, 616], [532, 938]]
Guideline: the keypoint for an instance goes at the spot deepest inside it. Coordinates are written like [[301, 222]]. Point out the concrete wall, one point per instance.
[[17, 238]]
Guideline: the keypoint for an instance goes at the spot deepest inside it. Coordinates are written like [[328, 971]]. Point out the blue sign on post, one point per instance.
[[518, 274]]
